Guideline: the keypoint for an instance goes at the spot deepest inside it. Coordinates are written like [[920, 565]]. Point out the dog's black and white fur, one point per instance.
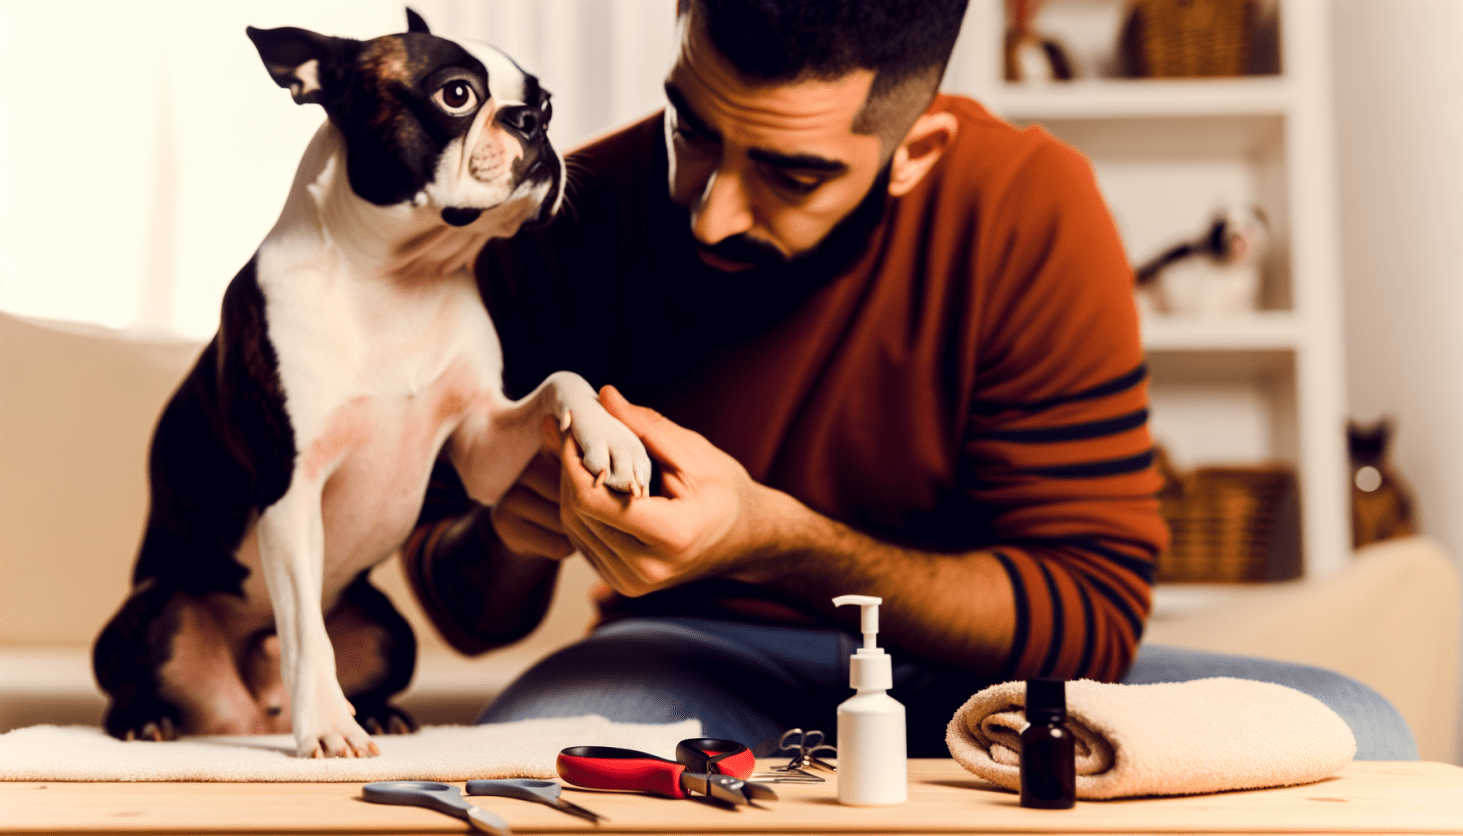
[[352, 348]]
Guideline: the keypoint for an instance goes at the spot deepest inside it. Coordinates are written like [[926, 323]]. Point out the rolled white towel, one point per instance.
[[1167, 738]]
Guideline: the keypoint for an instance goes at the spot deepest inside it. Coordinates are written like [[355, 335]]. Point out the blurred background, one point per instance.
[[144, 153]]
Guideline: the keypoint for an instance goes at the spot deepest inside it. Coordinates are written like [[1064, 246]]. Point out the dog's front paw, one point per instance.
[[332, 735], [611, 451]]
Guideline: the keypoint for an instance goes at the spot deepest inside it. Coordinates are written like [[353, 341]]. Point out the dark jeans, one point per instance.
[[751, 682]]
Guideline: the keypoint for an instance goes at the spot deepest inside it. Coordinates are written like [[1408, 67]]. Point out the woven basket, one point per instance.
[[1188, 38], [1222, 522]]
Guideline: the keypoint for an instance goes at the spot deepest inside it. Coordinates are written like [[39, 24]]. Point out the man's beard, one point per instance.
[[844, 244]]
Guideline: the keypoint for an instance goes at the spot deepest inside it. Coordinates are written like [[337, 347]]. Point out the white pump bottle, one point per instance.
[[872, 769]]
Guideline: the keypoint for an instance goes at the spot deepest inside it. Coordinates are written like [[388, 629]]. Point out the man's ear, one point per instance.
[[927, 139], [315, 68]]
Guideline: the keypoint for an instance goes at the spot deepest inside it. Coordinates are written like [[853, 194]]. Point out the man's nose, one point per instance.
[[724, 209]]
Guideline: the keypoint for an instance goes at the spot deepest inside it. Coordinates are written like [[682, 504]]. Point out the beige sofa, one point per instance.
[[77, 407]]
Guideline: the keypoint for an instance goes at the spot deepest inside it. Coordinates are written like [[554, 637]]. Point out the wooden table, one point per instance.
[[1367, 797]]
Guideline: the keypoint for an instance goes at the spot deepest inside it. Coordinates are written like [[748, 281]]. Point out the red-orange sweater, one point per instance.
[[974, 381]]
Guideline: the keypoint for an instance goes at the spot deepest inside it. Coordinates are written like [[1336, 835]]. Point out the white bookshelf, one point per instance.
[[1264, 386]]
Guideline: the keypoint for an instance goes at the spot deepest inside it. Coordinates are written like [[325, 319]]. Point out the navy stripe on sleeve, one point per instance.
[[1058, 622], [1089, 632], [1118, 601], [1137, 565], [1023, 618], [1101, 390], [1071, 432], [1092, 470]]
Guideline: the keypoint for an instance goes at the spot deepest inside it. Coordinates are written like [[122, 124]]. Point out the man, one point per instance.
[[890, 346]]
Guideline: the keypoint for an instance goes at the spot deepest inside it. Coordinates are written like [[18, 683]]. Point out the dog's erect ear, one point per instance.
[[315, 68], [415, 22]]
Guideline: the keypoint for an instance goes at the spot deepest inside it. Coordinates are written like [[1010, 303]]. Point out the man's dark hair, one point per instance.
[[790, 40]]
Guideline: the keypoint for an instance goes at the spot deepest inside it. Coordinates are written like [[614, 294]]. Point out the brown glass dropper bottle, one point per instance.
[[1048, 759]]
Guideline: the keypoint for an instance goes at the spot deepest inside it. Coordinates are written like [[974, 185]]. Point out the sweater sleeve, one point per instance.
[[1056, 444]]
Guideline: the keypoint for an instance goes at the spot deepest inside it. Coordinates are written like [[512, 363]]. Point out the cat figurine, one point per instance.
[[1216, 274], [1030, 57], [1381, 503]]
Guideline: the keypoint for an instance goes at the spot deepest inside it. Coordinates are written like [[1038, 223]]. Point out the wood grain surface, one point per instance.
[[1366, 797]]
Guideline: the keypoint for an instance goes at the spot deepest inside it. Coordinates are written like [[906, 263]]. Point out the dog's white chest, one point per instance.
[[376, 375]]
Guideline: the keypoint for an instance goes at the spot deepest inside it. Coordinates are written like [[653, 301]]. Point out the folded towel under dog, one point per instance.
[[1168, 738], [525, 748]]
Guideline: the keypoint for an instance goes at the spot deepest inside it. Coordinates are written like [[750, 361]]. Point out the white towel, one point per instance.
[[522, 749], [1168, 738]]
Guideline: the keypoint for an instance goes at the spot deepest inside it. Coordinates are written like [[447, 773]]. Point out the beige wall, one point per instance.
[[1399, 121]]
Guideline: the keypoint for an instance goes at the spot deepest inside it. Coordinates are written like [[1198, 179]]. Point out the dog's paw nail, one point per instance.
[[130, 735], [600, 479], [151, 732], [373, 748], [399, 726], [372, 725], [165, 727], [566, 421]]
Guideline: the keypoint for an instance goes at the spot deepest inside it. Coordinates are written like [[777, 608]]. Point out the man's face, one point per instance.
[[766, 171]]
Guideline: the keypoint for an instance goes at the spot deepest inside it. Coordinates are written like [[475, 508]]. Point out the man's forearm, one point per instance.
[[957, 609], [478, 594]]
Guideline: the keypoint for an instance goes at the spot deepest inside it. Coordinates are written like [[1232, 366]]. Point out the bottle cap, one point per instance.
[[870, 667], [1046, 697]]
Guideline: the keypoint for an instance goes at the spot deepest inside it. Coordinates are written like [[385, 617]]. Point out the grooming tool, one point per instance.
[[806, 746], [444, 798], [531, 789], [872, 765], [709, 767]]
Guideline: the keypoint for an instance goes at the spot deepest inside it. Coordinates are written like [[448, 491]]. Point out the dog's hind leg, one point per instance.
[[292, 552], [127, 658], [165, 660]]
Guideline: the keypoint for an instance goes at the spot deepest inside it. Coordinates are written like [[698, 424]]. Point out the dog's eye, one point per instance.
[[456, 98]]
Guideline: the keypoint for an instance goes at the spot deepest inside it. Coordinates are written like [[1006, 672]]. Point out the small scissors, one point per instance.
[[444, 798], [706, 766], [531, 789], [809, 745]]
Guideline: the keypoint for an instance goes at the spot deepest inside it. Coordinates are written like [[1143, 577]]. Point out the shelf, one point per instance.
[[1144, 98], [1259, 331]]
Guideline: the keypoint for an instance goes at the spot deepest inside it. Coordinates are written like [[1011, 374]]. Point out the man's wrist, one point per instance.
[[782, 532]]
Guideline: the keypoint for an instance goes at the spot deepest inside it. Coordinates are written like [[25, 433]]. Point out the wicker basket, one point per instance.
[[1222, 522], [1188, 38]]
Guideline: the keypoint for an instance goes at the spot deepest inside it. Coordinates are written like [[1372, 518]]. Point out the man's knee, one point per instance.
[[1380, 731]]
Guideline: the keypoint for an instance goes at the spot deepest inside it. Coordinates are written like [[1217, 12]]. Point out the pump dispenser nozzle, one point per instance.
[[868, 618]]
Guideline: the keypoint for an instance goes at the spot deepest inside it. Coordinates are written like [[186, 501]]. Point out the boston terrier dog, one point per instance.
[[352, 349]]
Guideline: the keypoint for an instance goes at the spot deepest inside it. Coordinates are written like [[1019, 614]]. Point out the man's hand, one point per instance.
[[710, 520], [527, 517]]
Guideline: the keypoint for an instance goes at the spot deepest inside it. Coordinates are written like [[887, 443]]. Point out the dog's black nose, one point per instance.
[[458, 216], [527, 122]]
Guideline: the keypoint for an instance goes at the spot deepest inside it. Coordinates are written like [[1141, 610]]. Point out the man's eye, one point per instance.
[[687, 133], [798, 184]]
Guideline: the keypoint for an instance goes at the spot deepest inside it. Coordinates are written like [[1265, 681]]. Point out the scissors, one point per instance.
[[704, 766], [806, 746], [531, 789], [444, 798]]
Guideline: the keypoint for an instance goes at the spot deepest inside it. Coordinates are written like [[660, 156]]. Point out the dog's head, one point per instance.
[[457, 126]]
